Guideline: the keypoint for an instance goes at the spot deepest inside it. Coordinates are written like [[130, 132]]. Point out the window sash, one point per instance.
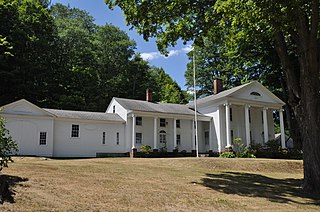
[[75, 131], [139, 121], [138, 138], [178, 139], [178, 123], [43, 138], [104, 138], [118, 136], [162, 122]]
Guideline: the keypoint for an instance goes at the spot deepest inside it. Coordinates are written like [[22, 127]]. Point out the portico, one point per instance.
[[238, 114]]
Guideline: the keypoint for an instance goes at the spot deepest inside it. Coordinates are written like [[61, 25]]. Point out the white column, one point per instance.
[[247, 124], [133, 131], [193, 136], [283, 137], [228, 132], [265, 124], [174, 133], [210, 136], [155, 134]]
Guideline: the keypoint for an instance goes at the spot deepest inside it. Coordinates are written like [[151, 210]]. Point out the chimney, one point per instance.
[[149, 95], [218, 86]]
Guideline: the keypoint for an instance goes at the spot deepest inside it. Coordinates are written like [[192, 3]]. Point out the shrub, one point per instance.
[[145, 149], [7, 145], [227, 155]]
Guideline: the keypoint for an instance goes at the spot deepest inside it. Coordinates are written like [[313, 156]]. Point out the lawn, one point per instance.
[[168, 184]]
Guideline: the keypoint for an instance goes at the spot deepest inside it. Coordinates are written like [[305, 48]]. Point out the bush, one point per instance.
[[227, 155], [7, 145], [145, 149]]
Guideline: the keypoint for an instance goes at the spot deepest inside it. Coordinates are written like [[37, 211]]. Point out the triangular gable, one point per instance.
[[255, 91], [24, 107]]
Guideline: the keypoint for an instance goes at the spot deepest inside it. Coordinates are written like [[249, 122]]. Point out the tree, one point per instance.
[[294, 26], [7, 145], [28, 29]]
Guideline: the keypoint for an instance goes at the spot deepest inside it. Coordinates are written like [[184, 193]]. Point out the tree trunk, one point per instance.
[[304, 98]]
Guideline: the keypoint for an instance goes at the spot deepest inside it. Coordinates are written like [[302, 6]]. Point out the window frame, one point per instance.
[[178, 123], [117, 138], [138, 121], [178, 139], [114, 109], [141, 137], [41, 138], [104, 135], [72, 130], [162, 122]]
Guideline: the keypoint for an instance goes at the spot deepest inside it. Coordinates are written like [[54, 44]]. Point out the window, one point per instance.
[[104, 138], [43, 138], [249, 116], [114, 109], [162, 122], [255, 93], [75, 131], [163, 137], [177, 123], [231, 135], [178, 139], [139, 121], [230, 114], [262, 116], [206, 138], [118, 136], [138, 138]]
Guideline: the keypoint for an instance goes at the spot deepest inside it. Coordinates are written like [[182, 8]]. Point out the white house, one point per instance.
[[244, 112]]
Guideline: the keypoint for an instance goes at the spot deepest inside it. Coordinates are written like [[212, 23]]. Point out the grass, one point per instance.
[[141, 184]]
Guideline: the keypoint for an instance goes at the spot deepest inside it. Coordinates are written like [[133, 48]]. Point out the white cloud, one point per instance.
[[150, 55], [187, 49], [156, 55]]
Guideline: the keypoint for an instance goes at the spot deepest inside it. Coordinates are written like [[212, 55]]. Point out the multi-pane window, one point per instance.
[[249, 116], [138, 138], [177, 123], [162, 122], [163, 137], [178, 139], [206, 138], [230, 114], [139, 121], [104, 138], [114, 109], [75, 131], [43, 138], [262, 116], [118, 138]]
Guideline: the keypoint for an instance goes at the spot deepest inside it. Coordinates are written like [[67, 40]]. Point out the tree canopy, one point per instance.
[[56, 56]]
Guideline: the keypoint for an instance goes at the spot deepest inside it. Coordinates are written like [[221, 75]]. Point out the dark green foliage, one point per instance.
[[7, 145], [58, 58], [227, 155], [145, 149]]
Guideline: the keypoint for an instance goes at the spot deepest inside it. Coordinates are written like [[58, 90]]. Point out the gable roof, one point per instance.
[[144, 106], [12, 104], [232, 91], [85, 115]]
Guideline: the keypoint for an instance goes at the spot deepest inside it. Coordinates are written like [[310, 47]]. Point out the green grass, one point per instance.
[[141, 184]]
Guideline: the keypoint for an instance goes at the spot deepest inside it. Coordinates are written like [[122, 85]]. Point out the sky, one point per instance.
[[176, 62]]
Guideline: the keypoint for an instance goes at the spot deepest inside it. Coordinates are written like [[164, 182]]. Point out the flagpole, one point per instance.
[[195, 103]]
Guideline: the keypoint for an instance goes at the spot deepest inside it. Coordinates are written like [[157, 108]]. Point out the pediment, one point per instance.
[[23, 107], [256, 92]]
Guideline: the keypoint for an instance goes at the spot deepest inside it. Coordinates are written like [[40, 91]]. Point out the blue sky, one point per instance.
[[174, 64]]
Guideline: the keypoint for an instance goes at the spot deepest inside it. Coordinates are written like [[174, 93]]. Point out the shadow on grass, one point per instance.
[[7, 184], [255, 185]]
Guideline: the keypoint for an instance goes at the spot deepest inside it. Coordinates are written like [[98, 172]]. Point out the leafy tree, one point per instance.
[[164, 88], [28, 28], [294, 26], [7, 145]]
